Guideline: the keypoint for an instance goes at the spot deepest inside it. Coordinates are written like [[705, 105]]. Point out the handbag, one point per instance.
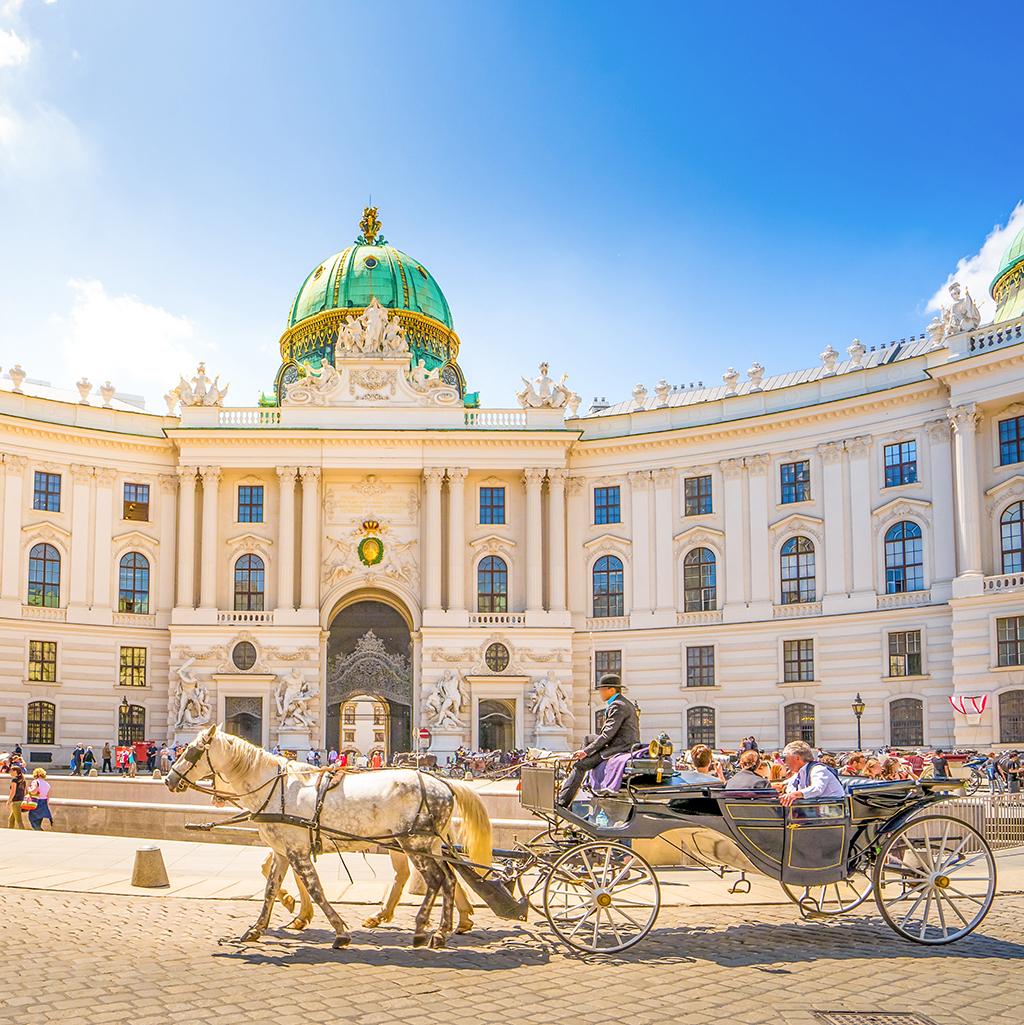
[[28, 804]]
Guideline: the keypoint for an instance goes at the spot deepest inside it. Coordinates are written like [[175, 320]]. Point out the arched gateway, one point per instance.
[[369, 655]]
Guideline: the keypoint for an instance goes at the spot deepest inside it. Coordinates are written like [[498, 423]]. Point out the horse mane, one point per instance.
[[243, 756]]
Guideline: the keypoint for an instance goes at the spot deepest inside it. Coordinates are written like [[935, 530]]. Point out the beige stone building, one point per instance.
[[749, 556]]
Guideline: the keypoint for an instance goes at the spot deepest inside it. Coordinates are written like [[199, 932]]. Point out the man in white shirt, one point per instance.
[[810, 779]]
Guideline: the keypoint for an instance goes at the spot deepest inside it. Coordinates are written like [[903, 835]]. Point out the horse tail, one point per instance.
[[475, 827]]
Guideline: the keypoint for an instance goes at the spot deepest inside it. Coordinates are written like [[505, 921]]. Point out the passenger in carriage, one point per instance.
[[751, 773], [703, 760], [810, 779]]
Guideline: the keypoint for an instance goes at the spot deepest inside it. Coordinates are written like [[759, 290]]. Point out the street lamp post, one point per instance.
[[858, 711], [122, 721]]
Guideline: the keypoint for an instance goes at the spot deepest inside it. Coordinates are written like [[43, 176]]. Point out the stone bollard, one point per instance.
[[157, 774], [148, 869], [93, 772]]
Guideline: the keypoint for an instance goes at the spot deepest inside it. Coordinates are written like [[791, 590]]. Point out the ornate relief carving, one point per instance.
[[663, 476], [798, 523], [964, 418], [860, 446], [200, 392], [168, 482], [13, 463], [82, 474], [374, 332], [299, 655], [731, 468], [758, 463], [211, 654], [937, 430], [902, 509], [1002, 495], [699, 537], [314, 387], [575, 485], [831, 451], [372, 383]]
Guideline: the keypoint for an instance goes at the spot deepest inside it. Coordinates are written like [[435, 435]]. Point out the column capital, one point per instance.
[[186, 474], [310, 474], [82, 474], [639, 477], [105, 474], [286, 473], [663, 476], [831, 451], [937, 430], [210, 475], [532, 477], [557, 478], [457, 474], [731, 468], [860, 446], [167, 481], [758, 463], [575, 485], [964, 418], [15, 464], [433, 475]]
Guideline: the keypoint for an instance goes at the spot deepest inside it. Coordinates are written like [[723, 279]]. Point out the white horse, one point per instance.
[[402, 806]]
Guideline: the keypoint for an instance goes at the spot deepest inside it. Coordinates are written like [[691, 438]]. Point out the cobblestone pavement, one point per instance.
[[80, 958]]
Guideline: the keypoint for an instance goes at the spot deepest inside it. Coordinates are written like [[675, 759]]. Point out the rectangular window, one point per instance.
[[46, 492], [607, 662], [42, 661], [350, 737], [700, 666], [798, 661], [250, 503], [901, 464], [796, 482], [607, 505], [133, 667], [136, 502], [1010, 640], [492, 505], [905, 653], [1011, 435], [697, 495]]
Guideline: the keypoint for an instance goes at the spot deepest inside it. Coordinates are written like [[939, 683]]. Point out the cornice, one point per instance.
[[92, 436]]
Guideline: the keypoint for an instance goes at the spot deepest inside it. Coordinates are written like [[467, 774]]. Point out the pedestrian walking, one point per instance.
[[39, 790], [151, 757], [165, 760], [76, 756], [88, 761], [130, 762], [1013, 769], [15, 796], [106, 757]]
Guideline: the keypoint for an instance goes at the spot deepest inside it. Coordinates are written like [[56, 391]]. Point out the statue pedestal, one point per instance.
[[186, 736], [295, 738], [445, 741], [553, 738]]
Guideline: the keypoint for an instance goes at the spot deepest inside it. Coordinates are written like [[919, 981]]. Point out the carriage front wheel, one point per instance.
[[601, 897], [934, 879]]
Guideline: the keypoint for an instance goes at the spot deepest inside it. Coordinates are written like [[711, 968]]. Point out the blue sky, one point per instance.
[[658, 191]]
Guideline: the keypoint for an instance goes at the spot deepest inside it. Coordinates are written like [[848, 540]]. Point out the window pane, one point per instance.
[[249, 585], [800, 722], [798, 571], [607, 505], [796, 481], [607, 662], [700, 666], [1011, 717], [250, 503], [699, 587], [492, 585], [136, 502], [700, 726], [42, 661], [1008, 638], [609, 598], [1010, 432], [41, 722], [133, 584], [46, 491], [133, 667], [906, 722], [697, 492], [798, 661], [492, 505], [44, 576]]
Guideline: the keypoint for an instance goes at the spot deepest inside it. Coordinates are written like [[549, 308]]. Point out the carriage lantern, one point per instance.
[[858, 711]]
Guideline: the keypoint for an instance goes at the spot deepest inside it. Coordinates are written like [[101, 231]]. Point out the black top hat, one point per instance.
[[609, 680]]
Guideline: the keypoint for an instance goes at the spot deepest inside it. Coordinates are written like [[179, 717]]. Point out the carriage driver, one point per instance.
[[620, 732], [810, 779]]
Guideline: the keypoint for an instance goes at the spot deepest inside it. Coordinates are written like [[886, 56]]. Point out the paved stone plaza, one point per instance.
[[155, 960]]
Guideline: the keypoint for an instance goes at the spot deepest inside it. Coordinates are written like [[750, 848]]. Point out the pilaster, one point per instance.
[[208, 551], [457, 538], [834, 595], [187, 537], [761, 599], [432, 477], [640, 498], [102, 545], [556, 539], [81, 501], [286, 538], [734, 609], [965, 428], [532, 480], [309, 571], [863, 596], [665, 568], [10, 570]]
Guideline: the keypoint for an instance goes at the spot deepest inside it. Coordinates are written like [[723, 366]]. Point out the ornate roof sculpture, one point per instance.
[[368, 272], [1007, 286]]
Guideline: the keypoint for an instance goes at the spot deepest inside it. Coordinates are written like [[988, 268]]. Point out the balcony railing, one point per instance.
[[1005, 582], [505, 619], [255, 416], [702, 618], [252, 618], [608, 623], [44, 612], [134, 619], [797, 610], [903, 600]]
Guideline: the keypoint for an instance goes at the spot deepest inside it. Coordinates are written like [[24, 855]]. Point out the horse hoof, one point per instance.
[[289, 903], [298, 924], [437, 941], [251, 935], [420, 940], [464, 927], [372, 922], [341, 941]]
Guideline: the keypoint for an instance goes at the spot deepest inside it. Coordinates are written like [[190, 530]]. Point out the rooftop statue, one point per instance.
[[423, 379], [201, 392], [543, 391], [964, 314], [376, 332], [314, 388]]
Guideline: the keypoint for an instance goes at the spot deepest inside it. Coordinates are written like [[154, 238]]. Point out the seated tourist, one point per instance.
[[703, 761], [749, 776], [810, 779], [854, 765], [873, 768]]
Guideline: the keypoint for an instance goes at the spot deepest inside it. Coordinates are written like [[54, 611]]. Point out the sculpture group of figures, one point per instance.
[[201, 391], [962, 315], [544, 391], [446, 698]]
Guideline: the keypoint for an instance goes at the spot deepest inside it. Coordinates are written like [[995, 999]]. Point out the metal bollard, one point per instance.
[[148, 869]]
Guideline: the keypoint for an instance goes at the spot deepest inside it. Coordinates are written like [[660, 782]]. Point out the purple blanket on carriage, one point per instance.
[[608, 774]]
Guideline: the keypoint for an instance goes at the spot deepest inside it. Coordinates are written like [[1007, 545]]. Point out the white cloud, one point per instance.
[[976, 272], [140, 348], [38, 143], [10, 8], [13, 49]]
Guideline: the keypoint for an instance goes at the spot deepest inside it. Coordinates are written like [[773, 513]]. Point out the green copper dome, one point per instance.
[[1007, 286], [368, 269]]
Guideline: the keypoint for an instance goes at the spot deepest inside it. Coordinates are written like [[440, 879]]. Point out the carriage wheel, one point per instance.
[[934, 879], [831, 898], [601, 898], [973, 784], [547, 847]]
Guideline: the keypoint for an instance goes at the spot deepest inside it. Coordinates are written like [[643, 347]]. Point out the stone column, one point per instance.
[[640, 502], [757, 533], [309, 573], [208, 554], [10, 572], [102, 573], [664, 563], [734, 608], [835, 524], [168, 484], [556, 539], [432, 476], [286, 538], [457, 537], [941, 473], [81, 495], [576, 513], [965, 428], [534, 541], [861, 526], [187, 537]]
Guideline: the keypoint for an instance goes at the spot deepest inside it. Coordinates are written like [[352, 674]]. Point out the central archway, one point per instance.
[[369, 654]]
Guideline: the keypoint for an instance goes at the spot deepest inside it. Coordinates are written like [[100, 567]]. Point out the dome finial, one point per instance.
[[369, 226]]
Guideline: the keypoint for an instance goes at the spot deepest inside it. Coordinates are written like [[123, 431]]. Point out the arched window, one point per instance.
[[249, 573], [699, 590], [42, 718], [609, 597], [131, 724], [904, 558], [700, 725], [906, 722], [133, 584], [492, 585], [800, 722], [44, 576], [1011, 717], [1010, 539], [797, 565]]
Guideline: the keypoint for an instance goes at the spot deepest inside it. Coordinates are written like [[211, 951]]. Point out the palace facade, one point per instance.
[[368, 552]]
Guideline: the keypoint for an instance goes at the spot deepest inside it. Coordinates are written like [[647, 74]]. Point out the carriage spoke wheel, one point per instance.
[[934, 879], [601, 898], [831, 898]]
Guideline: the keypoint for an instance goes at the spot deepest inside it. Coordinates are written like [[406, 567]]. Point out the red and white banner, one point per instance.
[[969, 704]]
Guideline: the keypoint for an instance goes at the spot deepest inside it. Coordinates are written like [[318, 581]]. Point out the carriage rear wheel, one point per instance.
[[934, 879], [547, 847], [601, 897], [831, 898]]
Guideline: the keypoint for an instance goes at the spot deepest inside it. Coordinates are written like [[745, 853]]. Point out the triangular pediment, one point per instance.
[[603, 540], [697, 536], [492, 540], [45, 529], [1014, 484], [130, 537], [797, 522], [249, 540], [902, 504]]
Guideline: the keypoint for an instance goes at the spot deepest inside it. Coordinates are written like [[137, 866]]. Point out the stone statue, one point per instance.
[[542, 391], [374, 332], [443, 701], [963, 315], [550, 701], [294, 698], [423, 379], [314, 387], [201, 392], [193, 703]]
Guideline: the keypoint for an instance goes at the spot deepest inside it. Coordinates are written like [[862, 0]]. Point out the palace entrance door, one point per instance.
[[369, 673]]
